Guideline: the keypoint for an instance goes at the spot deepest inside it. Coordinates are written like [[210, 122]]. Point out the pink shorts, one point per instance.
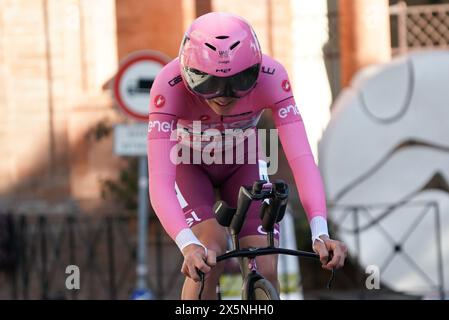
[[195, 191]]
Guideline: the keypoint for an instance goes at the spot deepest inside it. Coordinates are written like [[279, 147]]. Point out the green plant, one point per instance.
[[122, 190]]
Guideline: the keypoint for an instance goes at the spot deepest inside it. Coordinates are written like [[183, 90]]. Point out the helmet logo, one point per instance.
[[223, 70], [159, 101], [223, 53], [286, 86]]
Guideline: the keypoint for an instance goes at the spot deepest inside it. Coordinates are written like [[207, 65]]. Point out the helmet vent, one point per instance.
[[222, 37], [211, 46], [234, 45]]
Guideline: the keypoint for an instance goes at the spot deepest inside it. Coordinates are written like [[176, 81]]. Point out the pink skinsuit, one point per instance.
[[183, 195]]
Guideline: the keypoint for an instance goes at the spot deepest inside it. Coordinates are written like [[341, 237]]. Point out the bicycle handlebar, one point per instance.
[[252, 253], [266, 251]]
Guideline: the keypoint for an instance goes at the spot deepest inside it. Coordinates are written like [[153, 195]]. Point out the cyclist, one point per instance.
[[222, 79]]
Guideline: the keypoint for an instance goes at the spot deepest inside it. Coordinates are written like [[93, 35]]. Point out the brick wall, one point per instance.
[[365, 35], [150, 24], [56, 59]]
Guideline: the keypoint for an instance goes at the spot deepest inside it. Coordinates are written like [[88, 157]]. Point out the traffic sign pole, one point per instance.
[[142, 292], [131, 86]]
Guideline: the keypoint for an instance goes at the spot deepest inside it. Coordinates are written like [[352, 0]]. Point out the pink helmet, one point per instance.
[[220, 56]]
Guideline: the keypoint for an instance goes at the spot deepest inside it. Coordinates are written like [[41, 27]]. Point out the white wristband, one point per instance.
[[318, 226], [186, 237]]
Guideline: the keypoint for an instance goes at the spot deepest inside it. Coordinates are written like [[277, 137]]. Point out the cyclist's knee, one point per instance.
[[214, 274], [267, 267]]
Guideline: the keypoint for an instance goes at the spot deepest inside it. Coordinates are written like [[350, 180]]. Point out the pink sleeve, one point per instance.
[[294, 140], [296, 146], [165, 100], [162, 176]]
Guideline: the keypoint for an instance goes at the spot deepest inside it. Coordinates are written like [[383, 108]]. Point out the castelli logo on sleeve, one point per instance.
[[286, 85], [159, 101]]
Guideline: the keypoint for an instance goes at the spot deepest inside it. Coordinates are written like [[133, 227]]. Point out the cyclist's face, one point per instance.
[[222, 105]]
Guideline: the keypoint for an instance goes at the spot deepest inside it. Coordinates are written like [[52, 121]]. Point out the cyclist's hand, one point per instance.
[[195, 258], [337, 248]]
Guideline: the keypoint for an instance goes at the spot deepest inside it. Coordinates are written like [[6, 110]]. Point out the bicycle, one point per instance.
[[274, 198]]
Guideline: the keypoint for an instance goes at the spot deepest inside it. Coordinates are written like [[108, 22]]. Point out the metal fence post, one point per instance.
[[358, 247], [72, 245], [439, 250], [111, 257], [44, 256]]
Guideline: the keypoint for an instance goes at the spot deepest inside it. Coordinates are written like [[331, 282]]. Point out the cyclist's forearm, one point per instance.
[[166, 205], [169, 212], [311, 191], [162, 177], [307, 176], [305, 171]]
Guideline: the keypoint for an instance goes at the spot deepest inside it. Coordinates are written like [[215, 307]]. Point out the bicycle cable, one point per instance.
[[329, 284], [201, 284]]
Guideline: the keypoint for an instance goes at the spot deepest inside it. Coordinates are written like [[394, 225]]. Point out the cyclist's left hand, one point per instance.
[[338, 249]]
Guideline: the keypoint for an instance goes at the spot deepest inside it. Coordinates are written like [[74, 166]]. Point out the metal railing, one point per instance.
[[419, 27], [370, 218], [104, 249]]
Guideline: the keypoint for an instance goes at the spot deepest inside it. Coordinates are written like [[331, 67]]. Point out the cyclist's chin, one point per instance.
[[222, 106]]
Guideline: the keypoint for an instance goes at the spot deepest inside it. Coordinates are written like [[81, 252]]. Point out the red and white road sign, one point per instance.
[[133, 82]]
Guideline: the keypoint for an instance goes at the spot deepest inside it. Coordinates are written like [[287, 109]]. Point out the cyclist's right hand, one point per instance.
[[196, 257]]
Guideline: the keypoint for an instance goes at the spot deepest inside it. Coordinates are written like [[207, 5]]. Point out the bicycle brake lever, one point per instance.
[[329, 283], [201, 274]]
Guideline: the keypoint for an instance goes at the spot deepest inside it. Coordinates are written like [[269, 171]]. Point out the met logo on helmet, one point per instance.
[[223, 53], [284, 112], [223, 70]]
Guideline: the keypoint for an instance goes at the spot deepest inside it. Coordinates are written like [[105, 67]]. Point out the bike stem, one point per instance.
[[270, 237], [235, 240]]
